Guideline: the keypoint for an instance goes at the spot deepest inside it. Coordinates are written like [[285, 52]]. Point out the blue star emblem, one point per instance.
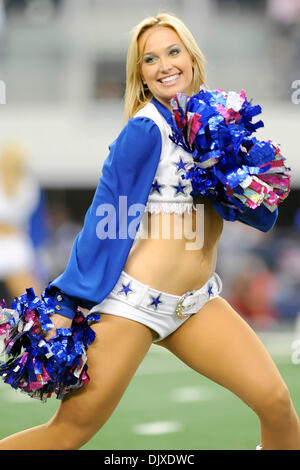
[[209, 290], [180, 164], [156, 187], [179, 188], [125, 289], [155, 301]]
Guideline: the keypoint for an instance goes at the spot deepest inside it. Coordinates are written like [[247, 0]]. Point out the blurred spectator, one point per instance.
[[288, 274], [297, 220], [20, 199], [63, 230], [253, 293], [241, 239], [285, 43], [262, 272]]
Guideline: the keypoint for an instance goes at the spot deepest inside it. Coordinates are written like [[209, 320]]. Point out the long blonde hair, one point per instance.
[[136, 94]]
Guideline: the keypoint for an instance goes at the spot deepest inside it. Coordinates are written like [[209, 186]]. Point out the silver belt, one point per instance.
[[134, 293]]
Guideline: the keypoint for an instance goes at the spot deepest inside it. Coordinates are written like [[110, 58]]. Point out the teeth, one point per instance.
[[169, 79]]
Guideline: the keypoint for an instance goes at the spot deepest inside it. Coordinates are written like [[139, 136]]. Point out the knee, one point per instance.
[[275, 404]]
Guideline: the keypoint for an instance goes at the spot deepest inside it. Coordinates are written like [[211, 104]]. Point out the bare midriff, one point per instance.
[[181, 257]]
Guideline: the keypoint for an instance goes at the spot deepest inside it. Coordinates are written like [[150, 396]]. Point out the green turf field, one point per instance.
[[167, 406]]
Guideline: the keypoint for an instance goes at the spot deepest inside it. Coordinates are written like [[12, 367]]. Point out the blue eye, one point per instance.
[[175, 51], [148, 60]]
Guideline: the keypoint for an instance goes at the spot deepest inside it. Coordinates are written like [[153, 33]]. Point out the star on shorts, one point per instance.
[[155, 301], [126, 289]]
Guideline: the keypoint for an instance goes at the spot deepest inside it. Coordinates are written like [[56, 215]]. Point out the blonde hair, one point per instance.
[[13, 166], [136, 94]]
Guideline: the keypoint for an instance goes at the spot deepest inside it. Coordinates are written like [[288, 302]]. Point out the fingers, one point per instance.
[[50, 334], [58, 321]]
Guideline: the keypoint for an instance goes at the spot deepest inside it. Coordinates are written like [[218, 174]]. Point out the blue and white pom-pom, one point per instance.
[[231, 165], [35, 365]]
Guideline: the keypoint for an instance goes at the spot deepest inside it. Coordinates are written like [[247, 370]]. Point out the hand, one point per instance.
[[59, 321]]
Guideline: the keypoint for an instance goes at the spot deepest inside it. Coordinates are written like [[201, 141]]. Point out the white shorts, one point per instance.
[[161, 312]]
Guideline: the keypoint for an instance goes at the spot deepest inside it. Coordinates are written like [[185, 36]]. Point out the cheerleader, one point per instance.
[[19, 198], [162, 288]]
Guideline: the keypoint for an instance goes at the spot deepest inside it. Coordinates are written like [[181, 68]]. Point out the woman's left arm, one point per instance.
[[260, 218]]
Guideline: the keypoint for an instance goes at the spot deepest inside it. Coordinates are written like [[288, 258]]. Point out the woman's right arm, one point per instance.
[[95, 263]]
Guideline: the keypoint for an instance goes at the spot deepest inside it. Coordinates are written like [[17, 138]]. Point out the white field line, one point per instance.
[[158, 427], [191, 394]]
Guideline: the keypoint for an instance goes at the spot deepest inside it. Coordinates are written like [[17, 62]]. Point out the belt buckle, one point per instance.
[[178, 309]]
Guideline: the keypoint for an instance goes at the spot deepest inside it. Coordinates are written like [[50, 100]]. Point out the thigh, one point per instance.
[[118, 349], [220, 345]]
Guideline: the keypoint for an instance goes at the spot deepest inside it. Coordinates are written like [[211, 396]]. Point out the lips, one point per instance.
[[170, 79]]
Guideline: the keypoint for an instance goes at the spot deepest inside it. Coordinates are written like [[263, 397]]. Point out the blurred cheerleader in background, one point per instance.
[[19, 199]]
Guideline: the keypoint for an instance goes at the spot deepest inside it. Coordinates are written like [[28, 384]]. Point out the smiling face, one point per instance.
[[166, 65]]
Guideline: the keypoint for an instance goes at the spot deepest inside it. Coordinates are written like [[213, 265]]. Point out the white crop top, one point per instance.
[[169, 192]]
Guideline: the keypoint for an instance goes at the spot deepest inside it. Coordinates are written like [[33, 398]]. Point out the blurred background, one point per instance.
[[62, 79]]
